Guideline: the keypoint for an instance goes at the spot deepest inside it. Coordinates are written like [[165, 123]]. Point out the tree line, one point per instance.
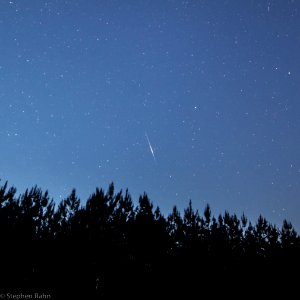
[[109, 247]]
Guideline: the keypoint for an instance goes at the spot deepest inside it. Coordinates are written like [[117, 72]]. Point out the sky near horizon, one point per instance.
[[182, 99]]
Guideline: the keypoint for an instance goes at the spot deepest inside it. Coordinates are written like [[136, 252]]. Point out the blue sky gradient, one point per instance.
[[214, 84]]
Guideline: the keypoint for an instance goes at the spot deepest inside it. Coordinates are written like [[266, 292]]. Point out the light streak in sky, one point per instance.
[[151, 149]]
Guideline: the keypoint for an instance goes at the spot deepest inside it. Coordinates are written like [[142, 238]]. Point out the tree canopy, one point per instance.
[[109, 247]]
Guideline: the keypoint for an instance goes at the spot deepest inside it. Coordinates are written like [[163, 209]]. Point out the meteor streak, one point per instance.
[[151, 149]]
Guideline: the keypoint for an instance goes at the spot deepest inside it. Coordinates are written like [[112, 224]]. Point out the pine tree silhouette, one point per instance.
[[111, 248]]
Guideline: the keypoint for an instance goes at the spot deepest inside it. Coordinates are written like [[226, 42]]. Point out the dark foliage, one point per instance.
[[109, 248]]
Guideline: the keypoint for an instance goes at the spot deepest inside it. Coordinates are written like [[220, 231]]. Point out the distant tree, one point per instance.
[[64, 216], [192, 223], [175, 230], [289, 237]]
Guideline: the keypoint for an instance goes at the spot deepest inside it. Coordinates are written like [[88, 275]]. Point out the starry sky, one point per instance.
[[182, 99]]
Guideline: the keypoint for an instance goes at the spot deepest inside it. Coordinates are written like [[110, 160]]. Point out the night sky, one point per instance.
[[182, 99]]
